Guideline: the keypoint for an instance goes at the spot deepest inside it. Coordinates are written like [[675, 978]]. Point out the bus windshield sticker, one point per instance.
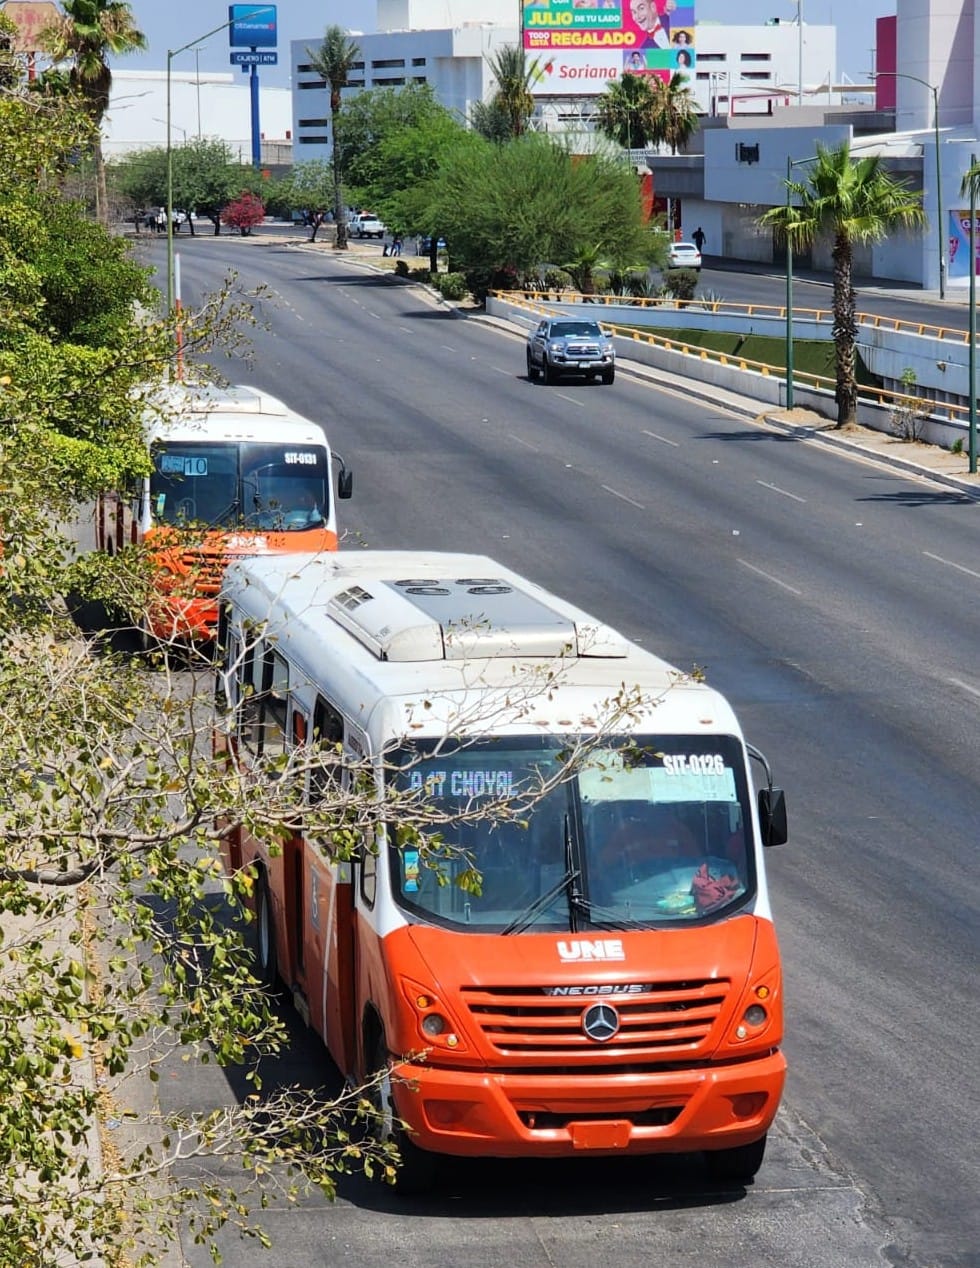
[[305, 459], [183, 464], [684, 777], [411, 863]]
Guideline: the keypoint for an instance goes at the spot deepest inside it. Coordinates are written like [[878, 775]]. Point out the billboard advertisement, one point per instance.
[[582, 45], [252, 25], [959, 247]]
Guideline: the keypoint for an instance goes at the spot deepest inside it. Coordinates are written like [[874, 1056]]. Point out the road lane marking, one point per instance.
[[521, 441], [407, 330], [965, 686], [501, 370], [776, 489], [447, 347], [769, 577], [622, 497], [949, 564], [663, 439], [571, 400]]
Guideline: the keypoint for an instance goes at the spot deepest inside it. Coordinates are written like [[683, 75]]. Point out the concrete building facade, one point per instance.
[[212, 104]]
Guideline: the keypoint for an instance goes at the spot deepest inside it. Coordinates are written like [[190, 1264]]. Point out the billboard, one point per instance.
[[252, 25], [959, 247], [580, 46]]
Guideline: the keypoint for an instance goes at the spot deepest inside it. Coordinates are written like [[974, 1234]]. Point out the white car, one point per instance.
[[684, 255]]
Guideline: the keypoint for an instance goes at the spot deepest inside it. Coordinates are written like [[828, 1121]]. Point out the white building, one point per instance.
[[215, 104], [744, 69]]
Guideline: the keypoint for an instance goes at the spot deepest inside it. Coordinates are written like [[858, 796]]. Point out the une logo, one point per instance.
[[592, 949]]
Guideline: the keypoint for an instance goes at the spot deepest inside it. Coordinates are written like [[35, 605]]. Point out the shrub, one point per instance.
[[243, 213], [450, 285], [682, 283], [909, 413], [555, 280]]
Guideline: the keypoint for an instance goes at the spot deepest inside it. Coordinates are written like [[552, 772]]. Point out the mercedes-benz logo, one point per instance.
[[600, 1022]]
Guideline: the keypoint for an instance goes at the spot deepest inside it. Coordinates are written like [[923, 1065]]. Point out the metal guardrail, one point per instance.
[[733, 308], [878, 396]]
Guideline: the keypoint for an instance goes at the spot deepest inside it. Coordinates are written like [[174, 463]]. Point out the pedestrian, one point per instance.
[[396, 244], [699, 237]]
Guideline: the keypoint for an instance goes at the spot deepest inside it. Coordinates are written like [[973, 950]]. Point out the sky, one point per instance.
[[170, 24]]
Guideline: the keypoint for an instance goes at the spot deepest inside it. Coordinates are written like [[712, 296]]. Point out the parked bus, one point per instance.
[[234, 472], [613, 985]]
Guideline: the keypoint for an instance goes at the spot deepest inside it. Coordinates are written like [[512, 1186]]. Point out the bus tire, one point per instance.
[[416, 1172], [264, 936], [739, 1165]]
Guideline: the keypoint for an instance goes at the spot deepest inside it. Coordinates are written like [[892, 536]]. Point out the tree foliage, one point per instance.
[[512, 99], [244, 213], [87, 33], [673, 115], [509, 210], [334, 59], [848, 200], [626, 112], [206, 176]]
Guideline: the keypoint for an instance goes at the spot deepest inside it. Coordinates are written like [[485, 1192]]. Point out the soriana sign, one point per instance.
[[581, 45], [31, 17]]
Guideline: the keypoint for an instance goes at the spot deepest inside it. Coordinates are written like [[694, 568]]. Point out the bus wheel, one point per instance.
[[264, 947], [416, 1171], [738, 1165]]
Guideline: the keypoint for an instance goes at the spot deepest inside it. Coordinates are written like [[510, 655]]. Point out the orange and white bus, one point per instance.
[[234, 472], [614, 987]]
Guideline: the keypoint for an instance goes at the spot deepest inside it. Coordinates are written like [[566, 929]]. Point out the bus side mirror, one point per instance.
[[345, 483], [772, 816]]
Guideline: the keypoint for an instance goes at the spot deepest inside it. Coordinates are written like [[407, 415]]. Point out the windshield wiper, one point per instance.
[[599, 915], [568, 882], [533, 910]]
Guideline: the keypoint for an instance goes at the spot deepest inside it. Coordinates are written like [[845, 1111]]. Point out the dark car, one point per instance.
[[566, 345]]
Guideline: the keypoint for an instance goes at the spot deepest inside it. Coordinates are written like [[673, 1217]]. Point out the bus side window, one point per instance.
[[328, 732], [369, 873], [275, 702]]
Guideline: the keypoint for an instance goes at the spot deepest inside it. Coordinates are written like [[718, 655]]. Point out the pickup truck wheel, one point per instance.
[[548, 370], [608, 376], [738, 1165], [532, 369]]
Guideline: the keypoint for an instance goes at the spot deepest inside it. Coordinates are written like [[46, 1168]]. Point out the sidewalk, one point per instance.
[[915, 458]]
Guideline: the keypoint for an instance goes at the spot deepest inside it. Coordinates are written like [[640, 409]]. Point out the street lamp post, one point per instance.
[[940, 232], [789, 293], [972, 353], [171, 54]]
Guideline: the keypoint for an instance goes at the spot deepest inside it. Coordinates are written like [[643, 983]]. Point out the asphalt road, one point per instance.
[[839, 608]]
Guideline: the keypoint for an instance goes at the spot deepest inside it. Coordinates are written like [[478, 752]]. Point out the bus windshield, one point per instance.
[[648, 830], [240, 484]]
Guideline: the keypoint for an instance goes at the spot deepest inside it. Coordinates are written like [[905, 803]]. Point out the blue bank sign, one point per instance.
[[252, 26]]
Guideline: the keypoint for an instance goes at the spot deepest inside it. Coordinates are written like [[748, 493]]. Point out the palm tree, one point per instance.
[[851, 200], [674, 113], [334, 59], [514, 75], [87, 34], [625, 111]]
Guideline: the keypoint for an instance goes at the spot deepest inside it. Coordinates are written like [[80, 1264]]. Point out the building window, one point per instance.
[[418, 61], [756, 57], [315, 139], [388, 63], [705, 74], [712, 57], [756, 74], [311, 83], [389, 83], [420, 79], [313, 123]]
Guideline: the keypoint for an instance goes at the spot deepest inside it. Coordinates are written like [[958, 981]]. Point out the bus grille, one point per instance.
[[663, 1020], [204, 569]]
